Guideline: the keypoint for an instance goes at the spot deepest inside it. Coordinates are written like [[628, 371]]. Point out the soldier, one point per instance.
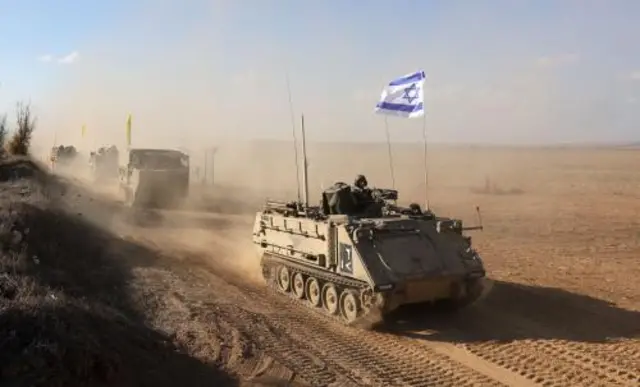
[[361, 186], [360, 182], [414, 209], [362, 193]]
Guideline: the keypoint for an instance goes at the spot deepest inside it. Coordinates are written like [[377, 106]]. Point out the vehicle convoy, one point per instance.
[[155, 178], [104, 163], [362, 260]]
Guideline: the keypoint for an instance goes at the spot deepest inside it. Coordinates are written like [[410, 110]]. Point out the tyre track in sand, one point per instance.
[[451, 367], [401, 363], [538, 355], [315, 348], [571, 362], [367, 357], [580, 346], [217, 330]]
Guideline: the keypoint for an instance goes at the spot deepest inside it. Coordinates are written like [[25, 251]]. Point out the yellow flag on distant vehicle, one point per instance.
[[84, 129], [129, 130]]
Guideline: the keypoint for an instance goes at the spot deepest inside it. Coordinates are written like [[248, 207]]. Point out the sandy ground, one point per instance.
[[561, 243]]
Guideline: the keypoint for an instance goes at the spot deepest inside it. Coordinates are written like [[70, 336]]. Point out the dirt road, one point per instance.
[[519, 336]]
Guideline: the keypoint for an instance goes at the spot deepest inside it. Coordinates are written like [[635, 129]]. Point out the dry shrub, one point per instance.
[[25, 125]]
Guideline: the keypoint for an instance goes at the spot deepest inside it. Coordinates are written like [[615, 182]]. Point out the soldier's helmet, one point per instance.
[[415, 208], [360, 181]]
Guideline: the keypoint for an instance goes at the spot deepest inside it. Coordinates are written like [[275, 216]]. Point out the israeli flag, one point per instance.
[[404, 96]]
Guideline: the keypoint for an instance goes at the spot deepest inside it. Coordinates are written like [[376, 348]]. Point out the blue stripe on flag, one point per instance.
[[411, 78], [398, 107]]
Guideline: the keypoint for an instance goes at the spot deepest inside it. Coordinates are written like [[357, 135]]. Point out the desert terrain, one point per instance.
[[91, 294]]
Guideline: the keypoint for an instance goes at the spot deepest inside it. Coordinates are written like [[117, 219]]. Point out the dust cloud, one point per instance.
[[185, 91], [187, 88]]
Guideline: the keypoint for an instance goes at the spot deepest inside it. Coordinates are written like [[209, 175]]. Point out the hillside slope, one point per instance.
[[67, 317]]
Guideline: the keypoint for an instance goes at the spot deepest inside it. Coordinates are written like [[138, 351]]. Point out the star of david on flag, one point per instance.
[[404, 96]]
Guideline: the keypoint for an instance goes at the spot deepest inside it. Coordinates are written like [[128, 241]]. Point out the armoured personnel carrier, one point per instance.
[[62, 156], [104, 163], [155, 178], [359, 261]]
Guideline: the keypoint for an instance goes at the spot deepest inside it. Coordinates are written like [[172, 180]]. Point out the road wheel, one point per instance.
[[349, 306], [284, 279], [313, 291], [298, 285], [330, 298]]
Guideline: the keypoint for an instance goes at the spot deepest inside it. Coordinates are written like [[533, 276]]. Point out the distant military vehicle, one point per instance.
[[359, 257], [104, 163], [63, 155], [155, 178]]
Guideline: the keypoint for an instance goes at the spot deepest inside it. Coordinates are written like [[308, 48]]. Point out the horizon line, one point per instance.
[[458, 144]]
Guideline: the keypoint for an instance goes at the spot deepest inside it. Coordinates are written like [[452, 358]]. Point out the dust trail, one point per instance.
[[223, 242]]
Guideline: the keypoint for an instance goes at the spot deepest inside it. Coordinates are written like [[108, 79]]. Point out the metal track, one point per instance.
[[367, 316]]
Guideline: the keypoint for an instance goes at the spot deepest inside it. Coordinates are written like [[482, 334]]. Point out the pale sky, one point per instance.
[[201, 71]]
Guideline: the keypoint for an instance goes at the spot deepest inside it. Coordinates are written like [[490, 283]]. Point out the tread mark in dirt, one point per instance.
[[373, 360], [393, 363], [623, 353], [362, 358], [245, 339], [492, 370], [575, 367], [550, 362], [278, 345]]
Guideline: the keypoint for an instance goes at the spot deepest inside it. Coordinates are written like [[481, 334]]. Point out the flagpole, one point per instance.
[[391, 102], [386, 129], [426, 166]]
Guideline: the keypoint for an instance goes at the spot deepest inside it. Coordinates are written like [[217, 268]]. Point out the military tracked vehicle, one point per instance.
[[104, 163], [155, 178], [62, 156], [359, 257]]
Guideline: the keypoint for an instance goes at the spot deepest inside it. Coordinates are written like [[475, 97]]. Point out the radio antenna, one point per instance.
[[305, 165], [293, 132]]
